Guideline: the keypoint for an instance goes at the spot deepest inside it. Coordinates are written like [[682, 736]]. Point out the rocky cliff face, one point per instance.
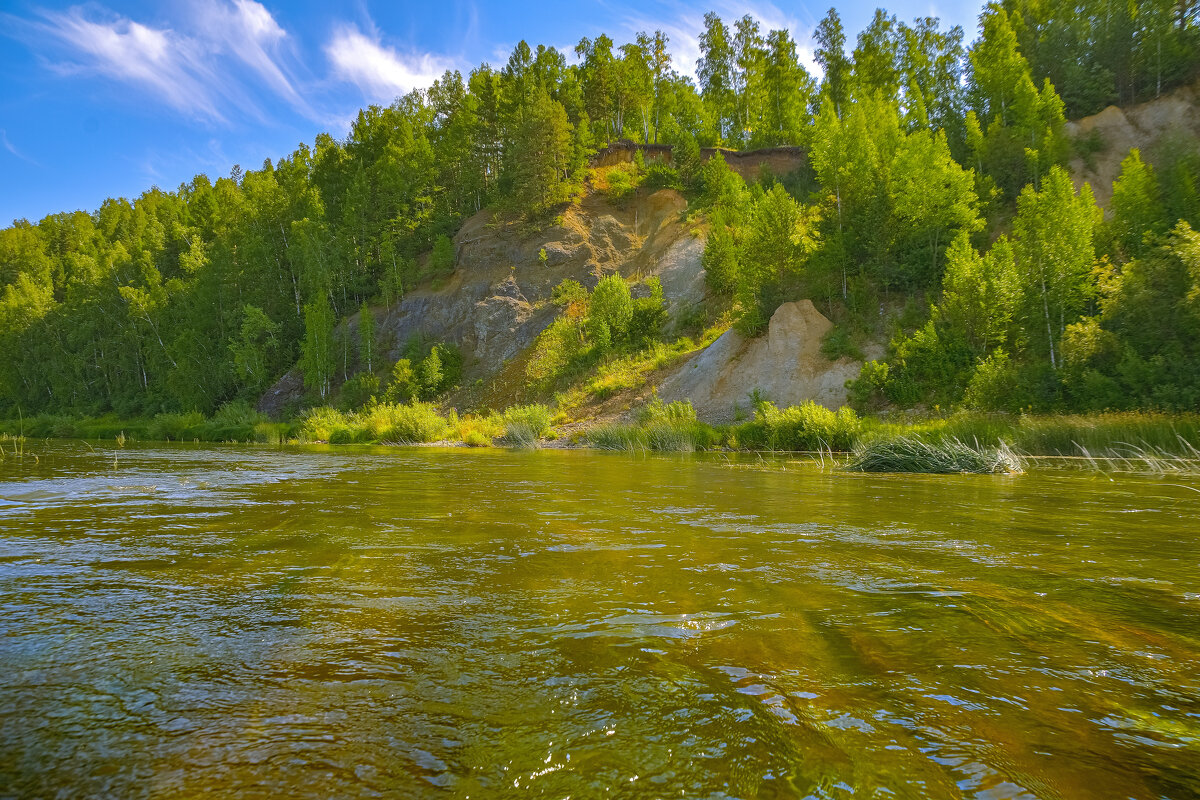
[[1146, 126], [784, 366], [497, 300]]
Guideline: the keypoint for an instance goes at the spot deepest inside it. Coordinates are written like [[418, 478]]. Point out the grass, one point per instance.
[[387, 423], [233, 422], [1141, 442], [1108, 435], [661, 427], [525, 425], [944, 456]]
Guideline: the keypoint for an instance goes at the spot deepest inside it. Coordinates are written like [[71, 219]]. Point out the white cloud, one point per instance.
[[195, 72], [168, 65], [247, 31], [379, 71]]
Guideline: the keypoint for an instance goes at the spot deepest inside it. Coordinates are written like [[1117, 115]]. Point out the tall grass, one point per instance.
[[389, 423], [1108, 435], [807, 426], [915, 454], [661, 427], [525, 425], [233, 422]]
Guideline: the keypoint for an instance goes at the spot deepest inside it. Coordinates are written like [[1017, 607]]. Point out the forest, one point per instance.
[[935, 211]]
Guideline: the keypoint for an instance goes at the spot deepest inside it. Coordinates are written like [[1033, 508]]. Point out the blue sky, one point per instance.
[[110, 98]]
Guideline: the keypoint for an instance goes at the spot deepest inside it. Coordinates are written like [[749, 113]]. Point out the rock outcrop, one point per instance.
[[784, 366], [497, 301], [1145, 126]]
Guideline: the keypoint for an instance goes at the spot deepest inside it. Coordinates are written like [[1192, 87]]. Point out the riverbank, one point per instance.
[[1170, 441]]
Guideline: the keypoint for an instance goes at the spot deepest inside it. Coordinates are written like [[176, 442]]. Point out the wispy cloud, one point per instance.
[[168, 65], [381, 72], [10, 148], [195, 72]]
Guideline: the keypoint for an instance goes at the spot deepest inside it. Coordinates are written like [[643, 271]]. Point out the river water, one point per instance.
[[242, 622]]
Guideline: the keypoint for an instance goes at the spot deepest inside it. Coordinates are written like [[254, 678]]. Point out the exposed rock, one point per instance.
[[785, 366], [496, 303], [1143, 126]]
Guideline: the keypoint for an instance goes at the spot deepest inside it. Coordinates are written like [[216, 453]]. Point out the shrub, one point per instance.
[[323, 424], [807, 426], [441, 259], [404, 424], [914, 454], [358, 391], [403, 386], [524, 425], [866, 392]]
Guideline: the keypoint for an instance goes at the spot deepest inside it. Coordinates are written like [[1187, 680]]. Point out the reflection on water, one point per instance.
[[240, 622]]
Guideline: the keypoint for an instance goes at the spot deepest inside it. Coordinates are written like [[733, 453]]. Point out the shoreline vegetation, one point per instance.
[[1149, 442]]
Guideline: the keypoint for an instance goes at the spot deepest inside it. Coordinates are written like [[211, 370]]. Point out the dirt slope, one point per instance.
[[497, 300], [1145, 126]]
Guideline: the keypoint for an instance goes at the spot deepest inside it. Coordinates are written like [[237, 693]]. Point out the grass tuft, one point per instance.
[[945, 456]]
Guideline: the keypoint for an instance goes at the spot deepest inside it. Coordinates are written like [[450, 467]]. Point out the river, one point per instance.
[[314, 622]]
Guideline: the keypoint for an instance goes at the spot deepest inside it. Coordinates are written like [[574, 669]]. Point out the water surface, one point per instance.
[[247, 622]]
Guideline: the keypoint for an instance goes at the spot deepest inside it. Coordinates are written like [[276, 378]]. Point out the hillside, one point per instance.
[[498, 299]]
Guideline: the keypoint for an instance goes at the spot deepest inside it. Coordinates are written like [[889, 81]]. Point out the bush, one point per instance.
[[441, 259], [995, 385], [866, 392], [524, 425], [358, 391], [324, 424], [807, 426], [405, 424]]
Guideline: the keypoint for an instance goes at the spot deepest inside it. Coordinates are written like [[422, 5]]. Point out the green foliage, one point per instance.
[[524, 425], [441, 258], [1138, 214], [807, 426], [317, 362], [839, 343], [358, 391], [720, 259], [649, 313], [366, 337], [568, 292], [180, 301], [662, 427], [948, 456], [621, 182], [611, 310], [866, 392], [995, 385], [403, 385], [388, 423], [256, 351]]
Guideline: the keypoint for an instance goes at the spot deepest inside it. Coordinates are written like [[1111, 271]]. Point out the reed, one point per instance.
[[944, 456]]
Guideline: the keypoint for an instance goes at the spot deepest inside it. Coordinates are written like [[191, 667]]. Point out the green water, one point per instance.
[[242, 622]]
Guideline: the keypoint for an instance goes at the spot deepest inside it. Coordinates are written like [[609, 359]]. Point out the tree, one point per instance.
[[1137, 207], [540, 155], [366, 337], [256, 349], [317, 360], [876, 68], [831, 55], [981, 295], [611, 308], [770, 258], [1054, 250], [715, 69]]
